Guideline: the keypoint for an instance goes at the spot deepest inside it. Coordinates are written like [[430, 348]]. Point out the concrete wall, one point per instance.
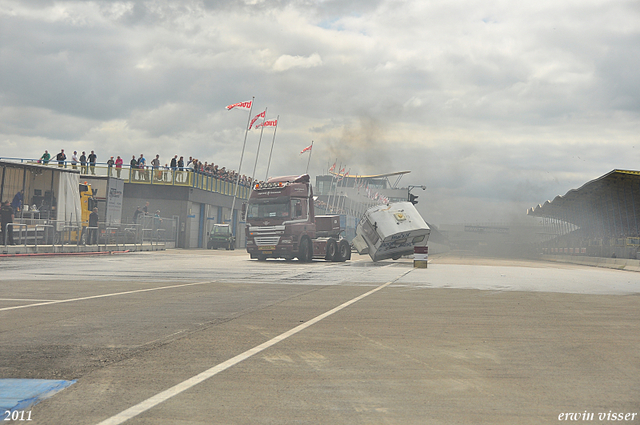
[[185, 203], [610, 263]]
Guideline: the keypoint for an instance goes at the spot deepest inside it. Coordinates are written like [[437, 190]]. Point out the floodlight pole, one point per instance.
[[410, 188]]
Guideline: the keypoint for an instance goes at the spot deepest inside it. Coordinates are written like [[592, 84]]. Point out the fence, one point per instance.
[[149, 230]]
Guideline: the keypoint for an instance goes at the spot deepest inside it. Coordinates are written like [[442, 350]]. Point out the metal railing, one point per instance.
[[13, 226], [150, 230]]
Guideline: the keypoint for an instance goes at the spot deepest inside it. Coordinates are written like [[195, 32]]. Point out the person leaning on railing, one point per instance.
[[83, 163], [110, 164], [92, 162], [133, 164], [119, 163], [46, 156], [61, 157]]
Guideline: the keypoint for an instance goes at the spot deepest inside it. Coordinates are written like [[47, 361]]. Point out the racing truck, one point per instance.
[[281, 223]]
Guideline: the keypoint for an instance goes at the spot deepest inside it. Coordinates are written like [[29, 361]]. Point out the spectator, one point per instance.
[[93, 227], [133, 164], [110, 163], [16, 203], [74, 160], [46, 156], [92, 162], [136, 214], [61, 157], [83, 163], [174, 166], [6, 217], [155, 164], [119, 162], [157, 222], [181, 169], [142, 163]]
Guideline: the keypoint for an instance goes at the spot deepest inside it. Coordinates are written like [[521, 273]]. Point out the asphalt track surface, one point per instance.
[[211, 337]]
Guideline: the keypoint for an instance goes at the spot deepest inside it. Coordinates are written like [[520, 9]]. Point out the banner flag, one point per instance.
[[268, 123], [260, 115], [308, 148], [333, 168], [241, 105]]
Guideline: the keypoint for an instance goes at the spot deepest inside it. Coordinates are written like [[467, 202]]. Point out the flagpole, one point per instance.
[[344, 185], [335, 192], [341, 201], [333, 180], [235, 192], [255, 164], [308, 161], [266, 176]]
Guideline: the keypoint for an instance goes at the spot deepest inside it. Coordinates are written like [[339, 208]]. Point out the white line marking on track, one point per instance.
[[23, 299], [92, 297], [149, 403]]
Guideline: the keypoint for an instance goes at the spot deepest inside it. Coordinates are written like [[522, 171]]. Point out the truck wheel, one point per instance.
[[332, 250], [304, 250], [344, 250]]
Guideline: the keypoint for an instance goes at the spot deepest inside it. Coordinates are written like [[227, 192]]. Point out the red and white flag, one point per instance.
[[308, 148], [241, 105], [260, 115], [268, 123], [333, 168]]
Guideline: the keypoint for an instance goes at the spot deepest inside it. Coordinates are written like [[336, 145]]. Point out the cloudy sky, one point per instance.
[[495, 106]]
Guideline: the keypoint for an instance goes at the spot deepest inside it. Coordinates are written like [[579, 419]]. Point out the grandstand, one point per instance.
[[598, 219]]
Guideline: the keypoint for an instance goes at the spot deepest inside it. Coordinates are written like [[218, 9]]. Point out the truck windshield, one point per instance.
[[270, 210], [220, 230]]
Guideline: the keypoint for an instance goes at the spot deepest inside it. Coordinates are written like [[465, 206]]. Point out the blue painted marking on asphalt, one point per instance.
[[19, 394]]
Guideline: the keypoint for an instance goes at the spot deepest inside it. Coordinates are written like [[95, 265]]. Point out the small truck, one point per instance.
[[221, 237], [281, 223]]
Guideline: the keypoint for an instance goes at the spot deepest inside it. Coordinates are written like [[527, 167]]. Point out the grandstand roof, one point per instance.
[[614, 183]]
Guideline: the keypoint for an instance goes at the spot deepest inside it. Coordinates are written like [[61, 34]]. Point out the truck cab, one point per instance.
[[281, 222]]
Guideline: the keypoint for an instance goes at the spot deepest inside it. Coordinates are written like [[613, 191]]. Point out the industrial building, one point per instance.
[[186, 203]]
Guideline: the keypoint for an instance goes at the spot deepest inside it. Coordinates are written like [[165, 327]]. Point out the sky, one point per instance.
[[494, 106]]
